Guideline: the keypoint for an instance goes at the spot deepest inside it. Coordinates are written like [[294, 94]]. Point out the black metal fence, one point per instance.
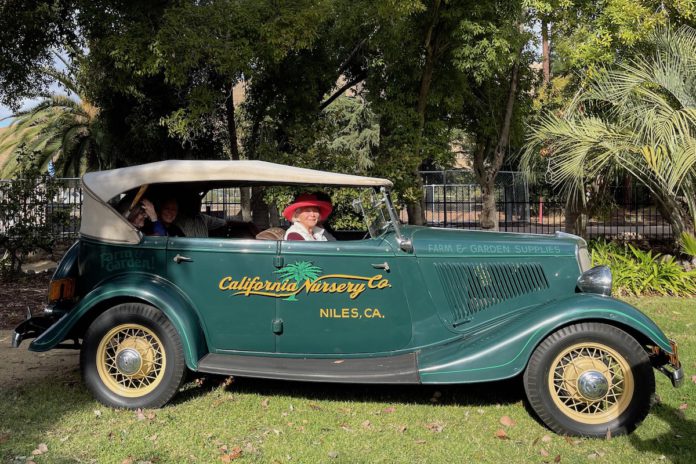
[[453, 199], [65, 204]]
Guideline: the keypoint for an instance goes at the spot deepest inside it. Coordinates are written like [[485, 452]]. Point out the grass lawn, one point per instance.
[[244, 420]]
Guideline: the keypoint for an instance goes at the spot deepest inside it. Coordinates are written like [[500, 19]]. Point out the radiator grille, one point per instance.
[[472, 287]]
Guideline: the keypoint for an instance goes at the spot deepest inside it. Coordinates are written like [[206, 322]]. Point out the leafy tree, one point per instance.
[[60, 129], [413, 88], [638, 117], [494, 62], [123, 76], [347, 137], [29, 31]]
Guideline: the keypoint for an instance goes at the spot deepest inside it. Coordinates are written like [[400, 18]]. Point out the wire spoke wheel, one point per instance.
[[131, 360], [591, 383], [589, 378], [132, 357]]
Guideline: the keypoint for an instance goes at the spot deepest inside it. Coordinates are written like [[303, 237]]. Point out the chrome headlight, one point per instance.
[[596, 280]]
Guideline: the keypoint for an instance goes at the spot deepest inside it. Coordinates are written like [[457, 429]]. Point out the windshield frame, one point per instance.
[[382, 200]]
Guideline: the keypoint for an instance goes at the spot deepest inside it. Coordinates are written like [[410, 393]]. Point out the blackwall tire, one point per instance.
[[590, 378], [132, 357]]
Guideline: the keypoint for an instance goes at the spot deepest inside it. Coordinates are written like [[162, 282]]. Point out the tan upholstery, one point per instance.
[[274, 233]]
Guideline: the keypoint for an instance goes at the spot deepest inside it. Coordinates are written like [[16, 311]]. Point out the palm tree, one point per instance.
[[299, 272], [59, 129], [640, 118]]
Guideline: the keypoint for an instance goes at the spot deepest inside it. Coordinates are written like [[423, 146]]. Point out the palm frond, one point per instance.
[[639, 117]]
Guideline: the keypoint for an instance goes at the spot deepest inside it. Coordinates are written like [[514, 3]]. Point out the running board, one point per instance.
[[391, 369]]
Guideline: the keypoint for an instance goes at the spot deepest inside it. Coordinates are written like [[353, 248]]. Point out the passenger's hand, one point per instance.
[[149, 209]]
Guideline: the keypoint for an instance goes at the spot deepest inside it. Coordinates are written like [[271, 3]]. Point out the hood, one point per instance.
[[429, 241]]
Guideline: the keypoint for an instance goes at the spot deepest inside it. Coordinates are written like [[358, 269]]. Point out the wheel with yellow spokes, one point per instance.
[[590, 378], [132, 357]]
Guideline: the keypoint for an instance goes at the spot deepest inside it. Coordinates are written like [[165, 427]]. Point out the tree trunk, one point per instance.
[[232, 124], [675, 214], [274, 215], [573, 214], [487, 174], [244, 192], [545, 52], [259, 209], [416, 209], [489, 212], [416, 212]]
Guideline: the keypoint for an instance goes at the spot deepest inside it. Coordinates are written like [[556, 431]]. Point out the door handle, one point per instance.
[[178, 258], [384, 265]]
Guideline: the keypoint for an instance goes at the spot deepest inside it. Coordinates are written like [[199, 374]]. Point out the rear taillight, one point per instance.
[[61, 289]]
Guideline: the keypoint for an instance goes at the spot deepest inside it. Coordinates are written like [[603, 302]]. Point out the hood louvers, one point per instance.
[[472, 287]]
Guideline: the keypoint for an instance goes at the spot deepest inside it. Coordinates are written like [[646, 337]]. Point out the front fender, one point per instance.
[[144, 287], [502, 351]]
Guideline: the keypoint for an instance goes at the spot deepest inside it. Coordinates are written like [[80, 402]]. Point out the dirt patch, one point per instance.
[[20, 367], [16, 296]]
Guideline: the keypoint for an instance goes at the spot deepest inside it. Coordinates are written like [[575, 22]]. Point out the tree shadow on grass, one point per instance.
[[677, 444], [29, 410], [481, 394]]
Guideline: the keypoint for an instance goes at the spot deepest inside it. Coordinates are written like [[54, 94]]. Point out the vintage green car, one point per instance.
[[399, 304]]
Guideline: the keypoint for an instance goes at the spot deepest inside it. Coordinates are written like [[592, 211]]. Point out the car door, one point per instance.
[[341, 297], [219, 276]]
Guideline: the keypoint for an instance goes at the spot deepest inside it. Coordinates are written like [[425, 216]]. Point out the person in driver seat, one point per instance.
[[192, 222], [304, 213]]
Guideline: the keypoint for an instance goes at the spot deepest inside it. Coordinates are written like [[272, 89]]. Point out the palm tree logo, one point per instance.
[[299, 272]]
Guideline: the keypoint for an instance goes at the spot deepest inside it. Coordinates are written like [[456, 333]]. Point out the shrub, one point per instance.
[[638, 272], [688, 244], [27, 216]]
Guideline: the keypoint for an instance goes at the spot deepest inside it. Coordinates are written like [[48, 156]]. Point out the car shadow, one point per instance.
[[677, 444], [479, 394]]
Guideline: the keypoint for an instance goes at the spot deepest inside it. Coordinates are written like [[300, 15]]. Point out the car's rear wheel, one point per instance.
[[132, 357], [590, 378]]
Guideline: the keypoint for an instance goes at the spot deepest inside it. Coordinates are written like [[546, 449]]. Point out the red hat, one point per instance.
[[305, 200]]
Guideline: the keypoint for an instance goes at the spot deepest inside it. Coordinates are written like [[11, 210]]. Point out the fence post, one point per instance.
[[541, 210], [444, 195]]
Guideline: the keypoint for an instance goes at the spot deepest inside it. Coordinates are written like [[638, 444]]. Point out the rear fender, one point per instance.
[[149, 289], [502, 350]]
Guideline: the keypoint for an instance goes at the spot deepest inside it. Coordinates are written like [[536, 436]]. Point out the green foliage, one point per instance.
[[687, 242], [638, 272], [347, 137], [29, 32], [27, 215]]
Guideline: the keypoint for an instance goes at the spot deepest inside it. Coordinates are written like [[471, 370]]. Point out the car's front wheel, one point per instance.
[[132, 357], [590, 378]]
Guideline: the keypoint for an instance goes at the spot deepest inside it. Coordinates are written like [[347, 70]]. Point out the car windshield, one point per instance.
[[374, 208]]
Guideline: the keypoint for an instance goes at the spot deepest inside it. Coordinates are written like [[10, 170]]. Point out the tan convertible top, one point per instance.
[[100, 220], [107, 184]]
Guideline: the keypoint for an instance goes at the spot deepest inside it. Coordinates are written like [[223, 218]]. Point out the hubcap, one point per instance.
[[128, 361], [593, 385]]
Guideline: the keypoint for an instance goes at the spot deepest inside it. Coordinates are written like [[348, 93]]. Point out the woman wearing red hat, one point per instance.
[[304, 213]]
